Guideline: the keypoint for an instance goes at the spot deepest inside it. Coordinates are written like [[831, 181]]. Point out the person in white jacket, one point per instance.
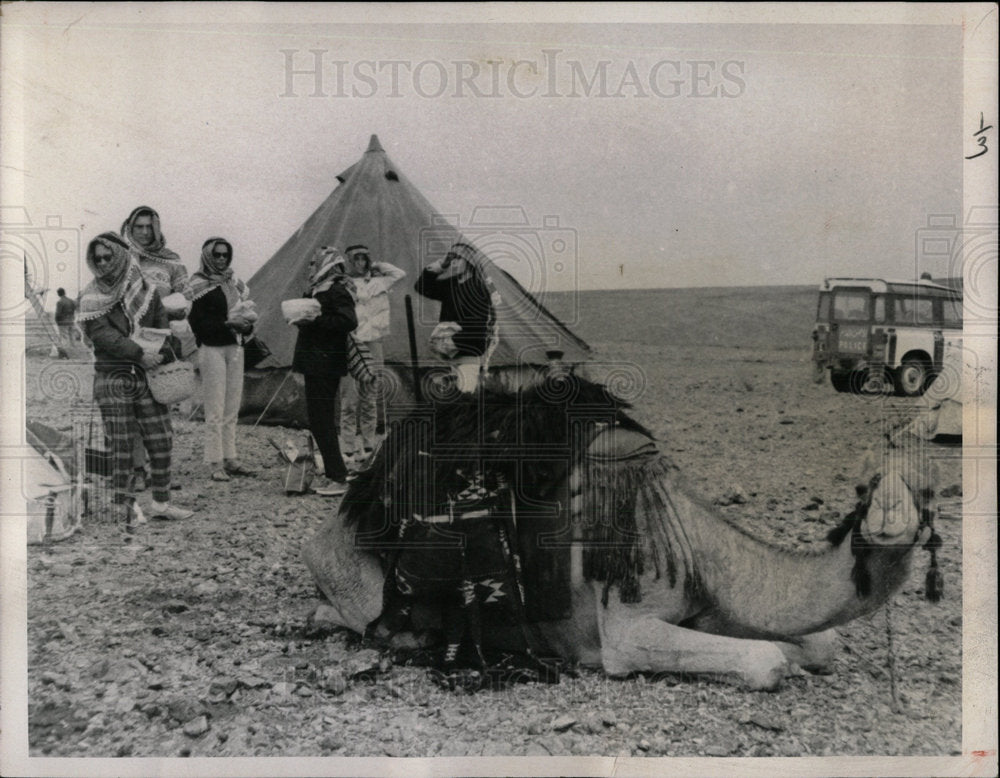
[[358, 400]]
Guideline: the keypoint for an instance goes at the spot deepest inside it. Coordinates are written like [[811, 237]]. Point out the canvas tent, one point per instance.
[[376, 205]]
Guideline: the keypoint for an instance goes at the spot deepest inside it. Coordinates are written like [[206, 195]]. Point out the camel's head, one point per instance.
[[892, 513], [894, 498]]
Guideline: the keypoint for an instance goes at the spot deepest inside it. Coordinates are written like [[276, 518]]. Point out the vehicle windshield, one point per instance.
[[851, 305]]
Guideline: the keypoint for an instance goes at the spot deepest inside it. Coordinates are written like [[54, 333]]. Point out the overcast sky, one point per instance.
[[668, 155]]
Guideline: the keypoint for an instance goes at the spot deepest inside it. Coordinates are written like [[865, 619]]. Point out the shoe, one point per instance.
[[138, 517], [221, 475], [334, 489], [170, 512], [235, 468]]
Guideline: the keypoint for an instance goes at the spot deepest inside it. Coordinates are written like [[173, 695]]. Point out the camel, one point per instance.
[[706, 597]]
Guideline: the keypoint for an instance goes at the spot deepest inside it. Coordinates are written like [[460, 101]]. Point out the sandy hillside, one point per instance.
[[193, 642]]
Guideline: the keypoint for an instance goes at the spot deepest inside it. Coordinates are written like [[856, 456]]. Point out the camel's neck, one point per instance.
[[760, 590]]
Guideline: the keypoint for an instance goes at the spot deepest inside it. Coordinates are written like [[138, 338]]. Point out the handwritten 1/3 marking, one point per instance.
[[980, 137]]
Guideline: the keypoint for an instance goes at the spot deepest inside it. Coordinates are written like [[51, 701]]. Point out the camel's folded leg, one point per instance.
[[815, 653], [351, 580], [646, 644]]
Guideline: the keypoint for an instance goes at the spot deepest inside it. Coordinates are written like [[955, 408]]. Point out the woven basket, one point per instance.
[[171, 383]]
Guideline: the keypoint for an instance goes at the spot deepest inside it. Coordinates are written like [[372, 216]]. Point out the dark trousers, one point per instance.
[[321, 408]]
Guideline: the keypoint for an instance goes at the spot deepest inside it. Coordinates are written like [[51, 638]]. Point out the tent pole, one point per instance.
[[411, 329]]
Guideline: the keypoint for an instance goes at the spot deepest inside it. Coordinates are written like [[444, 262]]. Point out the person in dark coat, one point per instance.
[[466, 300], [65, 317], [221, 317], [112, 308], [321, 357]]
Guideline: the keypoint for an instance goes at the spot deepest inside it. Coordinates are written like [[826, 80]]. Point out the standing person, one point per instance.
[[321, 357], [221, 317], [358, 400], [112, 307], [164, 270], [161, 266], [65, 317], [465, 300]]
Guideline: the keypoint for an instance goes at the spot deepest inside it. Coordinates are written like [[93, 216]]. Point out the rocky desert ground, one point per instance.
[[193, 639]]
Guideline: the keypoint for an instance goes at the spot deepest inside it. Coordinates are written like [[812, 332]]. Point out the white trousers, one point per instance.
[[359, 409], [466, 370], [222, 391]]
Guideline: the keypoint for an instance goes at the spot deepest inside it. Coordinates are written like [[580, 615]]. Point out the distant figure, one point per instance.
[[358, 400], [112, 307], [321, 358], [65, 318], [925, 276], [221, 317], [163, 269], [466, 301]]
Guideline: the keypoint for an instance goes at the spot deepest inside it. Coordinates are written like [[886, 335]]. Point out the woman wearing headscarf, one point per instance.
[[161, 266], [221, 317], [164, 270], [112, 308], [321, 357]]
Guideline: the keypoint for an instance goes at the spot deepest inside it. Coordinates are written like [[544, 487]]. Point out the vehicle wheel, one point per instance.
[[852, 381], [912, 377]]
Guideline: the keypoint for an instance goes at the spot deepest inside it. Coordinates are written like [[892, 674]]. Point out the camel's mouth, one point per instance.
[[893, 514]]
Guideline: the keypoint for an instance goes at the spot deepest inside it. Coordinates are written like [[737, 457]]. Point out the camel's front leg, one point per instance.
[[815, 653], [644, 643]]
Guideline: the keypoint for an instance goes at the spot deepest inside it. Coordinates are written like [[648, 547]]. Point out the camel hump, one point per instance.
[[617, 444]]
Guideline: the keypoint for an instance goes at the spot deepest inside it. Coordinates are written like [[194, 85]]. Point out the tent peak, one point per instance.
[[374, 145]]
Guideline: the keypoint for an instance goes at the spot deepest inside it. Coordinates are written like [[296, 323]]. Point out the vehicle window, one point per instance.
[[824, 307], [880, 309], [952, 313], [851, 306], [925, 310]]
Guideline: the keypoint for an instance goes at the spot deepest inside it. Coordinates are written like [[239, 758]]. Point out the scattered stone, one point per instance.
[[197, 726], [364, 662], [335, 682], [207, 588], [55, 679], [734, 495], [562, 723], [609, 719], [283, 688], [643, 745], [717, 751], [536, 728], [764, 721], [253, 681], [304, 691], [175, 606], [220, 689], [184, 709]]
